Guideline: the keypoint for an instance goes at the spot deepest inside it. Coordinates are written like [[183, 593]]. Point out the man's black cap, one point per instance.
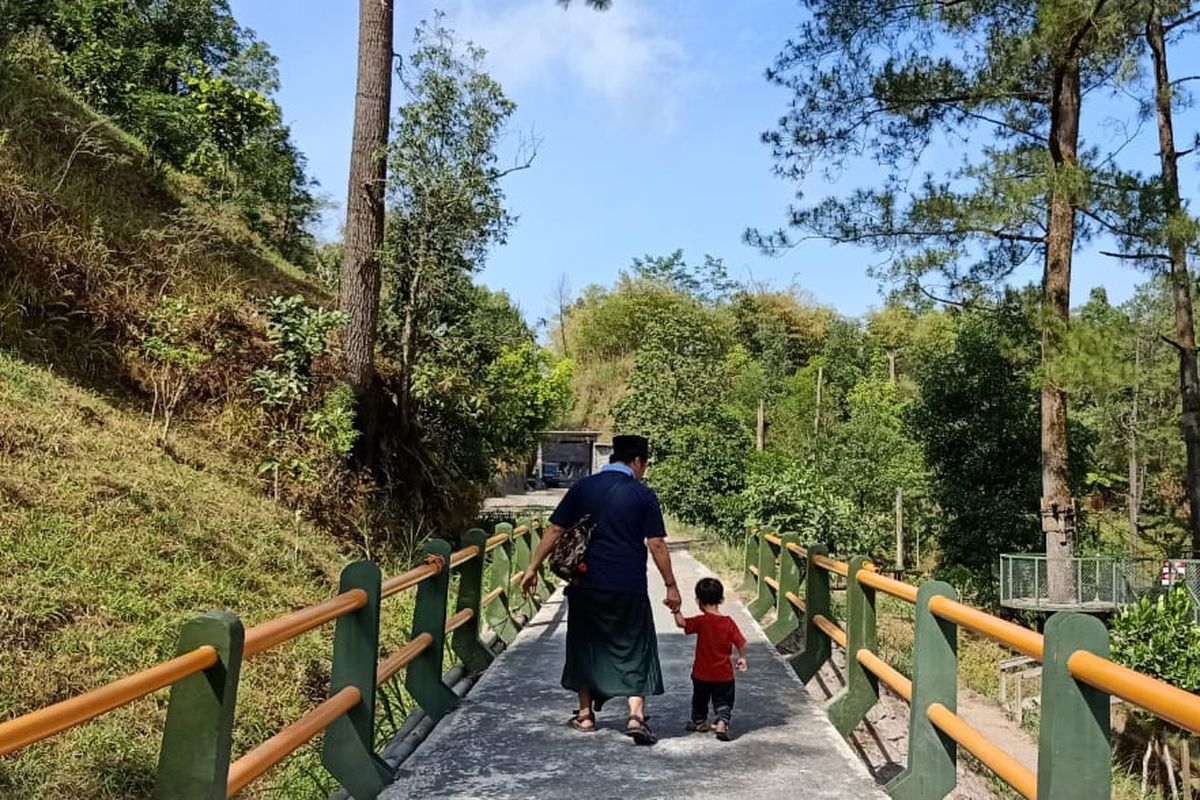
[[627, 448]]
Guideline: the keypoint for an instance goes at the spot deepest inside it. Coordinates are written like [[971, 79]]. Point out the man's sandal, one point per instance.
[[578, 720], [637, 729]]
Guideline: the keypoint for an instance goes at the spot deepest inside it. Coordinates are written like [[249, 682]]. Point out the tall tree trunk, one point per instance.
[[899, 528], [364, 202], [1057, 509], [761, 438], [1135, 492], [817, 415], [1181, 289]]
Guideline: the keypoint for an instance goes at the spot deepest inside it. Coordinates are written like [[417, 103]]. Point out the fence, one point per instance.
[[1095, 583], [195, 756], [1074, 749]]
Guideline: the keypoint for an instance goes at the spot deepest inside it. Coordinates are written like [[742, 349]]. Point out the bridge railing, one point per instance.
[[195, 759], [1074, 747]]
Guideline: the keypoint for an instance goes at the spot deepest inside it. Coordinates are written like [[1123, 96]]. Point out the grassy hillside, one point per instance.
[[107, 543], [94, 233], [110, 534]]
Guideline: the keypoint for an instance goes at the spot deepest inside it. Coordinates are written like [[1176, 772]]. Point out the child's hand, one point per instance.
[[741, 664]]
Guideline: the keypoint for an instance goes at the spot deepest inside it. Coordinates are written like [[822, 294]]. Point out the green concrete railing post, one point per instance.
[[764, 600], [193, 763], [423, 678], [1074, 750], [787, 620], [750, 583], [932, 756], [465, 641], [348, 747], [526, 605], [499, 614], [817, 649], [861, 692]]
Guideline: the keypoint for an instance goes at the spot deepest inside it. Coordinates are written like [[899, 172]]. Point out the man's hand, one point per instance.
[[673, 601], [529, 580], [741, 664]]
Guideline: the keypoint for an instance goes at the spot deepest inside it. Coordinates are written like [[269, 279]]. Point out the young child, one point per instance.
[[712, 672]]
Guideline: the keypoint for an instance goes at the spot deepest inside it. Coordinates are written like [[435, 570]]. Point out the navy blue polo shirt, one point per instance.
[[626, 513]]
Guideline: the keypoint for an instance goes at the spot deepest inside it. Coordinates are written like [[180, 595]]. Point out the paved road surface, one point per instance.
[[509, 738]]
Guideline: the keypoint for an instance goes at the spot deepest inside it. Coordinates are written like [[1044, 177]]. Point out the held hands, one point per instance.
[[741, 664], [673, 600]]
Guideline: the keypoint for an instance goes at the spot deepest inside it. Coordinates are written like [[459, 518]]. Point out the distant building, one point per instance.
[[564, 457]]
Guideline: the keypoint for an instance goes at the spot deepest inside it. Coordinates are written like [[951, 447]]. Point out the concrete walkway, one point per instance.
[[509, 738]]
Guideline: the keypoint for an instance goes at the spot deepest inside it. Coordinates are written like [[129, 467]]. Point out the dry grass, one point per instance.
[[94, 232]]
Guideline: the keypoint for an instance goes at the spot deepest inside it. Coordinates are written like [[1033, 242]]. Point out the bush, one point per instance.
[[790, 497], [1159, 637], [703, 463]]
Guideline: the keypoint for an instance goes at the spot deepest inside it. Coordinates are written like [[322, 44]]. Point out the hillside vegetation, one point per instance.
[[110, 534]]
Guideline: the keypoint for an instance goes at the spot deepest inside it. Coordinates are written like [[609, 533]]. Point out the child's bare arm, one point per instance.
[[741, 662], [680, 622]]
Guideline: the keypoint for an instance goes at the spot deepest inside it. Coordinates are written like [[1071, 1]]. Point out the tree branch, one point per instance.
[[1138, 256], [1184, 20]]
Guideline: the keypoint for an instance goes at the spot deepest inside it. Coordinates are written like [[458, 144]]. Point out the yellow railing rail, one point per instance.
[[38, 725], [993, 757], [776, 567], [43, 723]]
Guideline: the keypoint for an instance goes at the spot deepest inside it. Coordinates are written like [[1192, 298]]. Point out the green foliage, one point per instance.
[[1159, 637], [298, 332], [977, 421], [173, 360], [877, 453], [792, 498], [333, 423], [184, 78], [701, 465]]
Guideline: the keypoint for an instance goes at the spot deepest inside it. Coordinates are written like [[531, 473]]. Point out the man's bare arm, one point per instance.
[[529, 579], [662, 560]]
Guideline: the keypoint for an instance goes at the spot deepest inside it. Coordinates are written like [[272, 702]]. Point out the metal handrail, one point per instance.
[[274, 632], [1162, 699], [252, 765], [891, 586], [1173, 705], [830, 565], [1021, 639], [45, 722], [886, 673], [1011, 771], [830, 628]]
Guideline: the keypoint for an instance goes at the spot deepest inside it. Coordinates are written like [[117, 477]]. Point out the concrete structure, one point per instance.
[[509, 739], [570, 451]]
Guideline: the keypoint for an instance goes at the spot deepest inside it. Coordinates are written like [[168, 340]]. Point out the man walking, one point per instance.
[[612, 649]]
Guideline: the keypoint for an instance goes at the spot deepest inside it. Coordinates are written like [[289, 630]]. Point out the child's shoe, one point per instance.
[[697, 727], [723, 732]]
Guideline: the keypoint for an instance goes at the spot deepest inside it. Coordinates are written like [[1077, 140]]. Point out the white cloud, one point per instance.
[[628, 56]]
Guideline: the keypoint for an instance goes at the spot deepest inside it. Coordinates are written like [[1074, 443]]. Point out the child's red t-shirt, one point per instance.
[[718, 634]]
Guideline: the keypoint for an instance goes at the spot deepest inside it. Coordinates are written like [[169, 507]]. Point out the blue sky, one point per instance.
[[648, 117]]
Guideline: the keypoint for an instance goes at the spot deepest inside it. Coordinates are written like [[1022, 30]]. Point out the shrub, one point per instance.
[[790, 497], [173, 362], [1159, 637]]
